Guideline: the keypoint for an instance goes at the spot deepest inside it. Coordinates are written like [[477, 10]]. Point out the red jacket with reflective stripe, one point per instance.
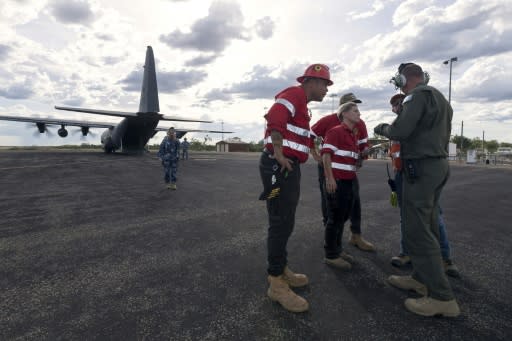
[[323, 125], [394, 152], [341, 143], [289, 115]]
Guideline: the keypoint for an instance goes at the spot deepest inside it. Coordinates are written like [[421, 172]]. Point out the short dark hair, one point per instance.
[[412, 69]]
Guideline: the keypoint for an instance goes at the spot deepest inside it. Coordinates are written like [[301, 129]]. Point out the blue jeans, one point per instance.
[[444, 244]]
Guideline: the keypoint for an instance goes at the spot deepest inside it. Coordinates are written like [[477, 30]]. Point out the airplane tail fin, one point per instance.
[[149, 93]]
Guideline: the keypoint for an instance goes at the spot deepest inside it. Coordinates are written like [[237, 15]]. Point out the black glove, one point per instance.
[[379, 129]]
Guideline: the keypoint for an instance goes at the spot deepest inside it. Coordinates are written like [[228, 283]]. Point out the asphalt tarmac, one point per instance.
[[94, 247]]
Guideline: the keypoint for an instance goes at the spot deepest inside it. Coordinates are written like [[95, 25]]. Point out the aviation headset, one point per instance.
[[399, 80]]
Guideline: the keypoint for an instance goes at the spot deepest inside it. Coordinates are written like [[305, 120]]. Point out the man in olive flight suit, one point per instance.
[[423, 130]]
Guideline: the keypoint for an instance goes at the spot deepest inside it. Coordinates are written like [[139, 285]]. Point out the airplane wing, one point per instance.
[[58, 121], [194, 130], [99, 112], [127, 114], [179, 119]]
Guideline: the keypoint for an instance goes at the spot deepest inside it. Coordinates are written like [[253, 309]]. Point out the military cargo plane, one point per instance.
[[131, 134]]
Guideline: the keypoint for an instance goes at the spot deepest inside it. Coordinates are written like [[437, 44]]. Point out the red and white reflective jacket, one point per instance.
[[394, 152], [341, 143], [289, 115], [323, 125]]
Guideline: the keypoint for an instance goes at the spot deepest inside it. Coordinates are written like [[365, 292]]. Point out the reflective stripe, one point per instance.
[[362, 141], [395, 155], [297, 130], [290, 144], [340, 152], [296, 146], [343, 166], [287, 104]]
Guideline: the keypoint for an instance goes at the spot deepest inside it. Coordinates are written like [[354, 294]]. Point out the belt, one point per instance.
[[268, 153], [271, 155]]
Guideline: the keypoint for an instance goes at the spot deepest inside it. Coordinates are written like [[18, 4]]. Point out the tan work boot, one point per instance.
[[358, 241], [294, 280], [428, 306], [339, 263], [279, 291], [408, 283], [346, 256]]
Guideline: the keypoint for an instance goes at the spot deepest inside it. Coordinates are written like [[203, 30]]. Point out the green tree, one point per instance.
[[492, 146], [466, 143], [256, 147]]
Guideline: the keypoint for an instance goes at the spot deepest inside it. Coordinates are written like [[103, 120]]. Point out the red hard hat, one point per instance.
[[395, 97], [316, 71]]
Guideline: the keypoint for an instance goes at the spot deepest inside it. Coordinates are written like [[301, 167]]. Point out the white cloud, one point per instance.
[[225, 60], [377, 6]]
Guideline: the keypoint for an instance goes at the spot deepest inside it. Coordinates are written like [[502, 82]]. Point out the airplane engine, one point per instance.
[[62, 132], [41, 127]]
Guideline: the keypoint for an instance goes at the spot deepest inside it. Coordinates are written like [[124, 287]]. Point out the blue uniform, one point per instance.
[[169, 153], [184, 150]]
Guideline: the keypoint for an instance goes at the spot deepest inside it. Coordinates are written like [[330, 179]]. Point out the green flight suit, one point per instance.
[[423, 129]]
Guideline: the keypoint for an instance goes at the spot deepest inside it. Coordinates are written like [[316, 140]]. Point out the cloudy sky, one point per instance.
[[224, 60]]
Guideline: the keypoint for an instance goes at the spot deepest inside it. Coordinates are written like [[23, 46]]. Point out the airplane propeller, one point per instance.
[[41, 128], [84, 131]]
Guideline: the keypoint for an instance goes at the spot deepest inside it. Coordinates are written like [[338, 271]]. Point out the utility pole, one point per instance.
[[483, 141], [451, 60], [462, 138], [222, 129]]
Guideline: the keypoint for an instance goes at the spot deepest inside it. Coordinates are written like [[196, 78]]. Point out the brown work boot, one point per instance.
[[279, 291], [339, 263], [358, 241], [294, 280], [428, 306], [408, 283]]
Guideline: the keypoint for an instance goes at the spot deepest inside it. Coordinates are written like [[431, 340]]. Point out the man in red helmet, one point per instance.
[[287, 144]]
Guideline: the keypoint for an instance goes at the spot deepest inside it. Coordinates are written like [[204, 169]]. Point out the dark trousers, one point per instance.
[[420, 219], [339, 206], [281, 192], [355, 214]]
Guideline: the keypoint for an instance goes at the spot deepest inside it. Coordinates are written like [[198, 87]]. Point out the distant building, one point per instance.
[[234, 144]]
